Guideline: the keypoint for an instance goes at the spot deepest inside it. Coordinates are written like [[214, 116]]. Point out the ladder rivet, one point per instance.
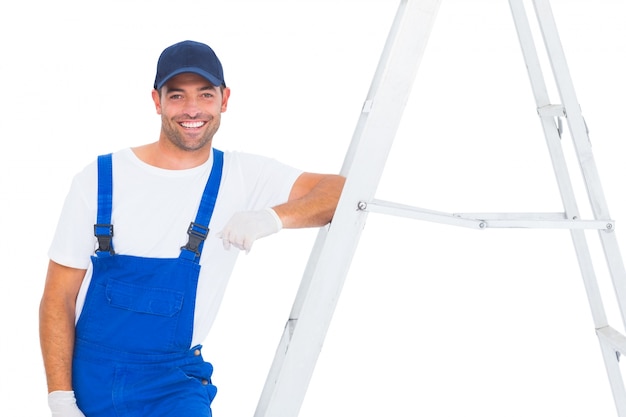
[[362, 205], [482, 225], [609, 226]]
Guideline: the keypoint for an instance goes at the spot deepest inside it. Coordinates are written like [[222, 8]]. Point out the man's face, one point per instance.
[[190, 109]]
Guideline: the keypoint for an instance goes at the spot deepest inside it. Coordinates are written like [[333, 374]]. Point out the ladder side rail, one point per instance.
[[553, 141], [614, 374], [302, 339], [582, 145], [578, 131], [611, 342], [355, 143], [540, 92], [569, 100]]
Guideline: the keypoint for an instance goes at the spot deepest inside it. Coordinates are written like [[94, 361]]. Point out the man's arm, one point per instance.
[[312, 201], [57, 313]]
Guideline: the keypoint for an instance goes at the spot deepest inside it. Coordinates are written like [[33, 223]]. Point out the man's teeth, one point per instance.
[[191, 124]]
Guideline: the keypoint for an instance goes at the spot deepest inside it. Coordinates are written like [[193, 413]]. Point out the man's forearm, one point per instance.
[[315, 208], [56, 333], [57, 314]]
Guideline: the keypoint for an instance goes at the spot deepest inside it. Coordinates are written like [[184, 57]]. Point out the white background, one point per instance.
[[433, 320]]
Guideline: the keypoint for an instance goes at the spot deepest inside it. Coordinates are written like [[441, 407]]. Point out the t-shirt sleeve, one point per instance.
[[268, 181], [73, 242]]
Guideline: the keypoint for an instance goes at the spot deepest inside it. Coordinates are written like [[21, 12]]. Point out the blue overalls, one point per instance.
[[131, 355]]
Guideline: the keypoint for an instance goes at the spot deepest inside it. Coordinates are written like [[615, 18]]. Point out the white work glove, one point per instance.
[[247, 226], [63, 404]]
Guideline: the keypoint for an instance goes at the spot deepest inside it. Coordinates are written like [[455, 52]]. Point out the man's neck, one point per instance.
[[160, 156]]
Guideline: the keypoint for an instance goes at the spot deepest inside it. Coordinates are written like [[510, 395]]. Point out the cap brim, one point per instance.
[[195, 70]]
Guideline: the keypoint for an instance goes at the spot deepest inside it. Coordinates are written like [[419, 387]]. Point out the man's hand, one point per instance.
[[247, 226], [63, 404]]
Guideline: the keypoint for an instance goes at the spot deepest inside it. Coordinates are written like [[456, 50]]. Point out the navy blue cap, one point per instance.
[[189, 56]]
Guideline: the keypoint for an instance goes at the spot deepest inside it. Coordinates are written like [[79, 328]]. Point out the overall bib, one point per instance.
[[132, 355]]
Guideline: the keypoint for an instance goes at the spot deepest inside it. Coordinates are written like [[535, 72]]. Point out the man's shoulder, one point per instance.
[[247, 159]]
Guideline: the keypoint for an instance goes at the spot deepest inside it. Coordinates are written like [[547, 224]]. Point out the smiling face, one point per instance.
[[190, 109]]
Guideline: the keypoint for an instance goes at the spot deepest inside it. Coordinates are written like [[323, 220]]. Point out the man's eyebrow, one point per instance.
[[182, 90], [174, 89]]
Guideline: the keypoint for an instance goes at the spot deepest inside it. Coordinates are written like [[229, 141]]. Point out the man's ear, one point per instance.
[[156, 97], [225, 97]]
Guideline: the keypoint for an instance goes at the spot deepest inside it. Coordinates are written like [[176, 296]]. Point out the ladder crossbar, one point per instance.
[[486, 220]]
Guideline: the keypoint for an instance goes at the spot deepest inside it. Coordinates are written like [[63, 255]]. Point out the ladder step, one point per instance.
[[613, 338], [552, 110]]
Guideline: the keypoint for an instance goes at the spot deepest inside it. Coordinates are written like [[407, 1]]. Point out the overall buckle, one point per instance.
[[104, 234], [197, 234]]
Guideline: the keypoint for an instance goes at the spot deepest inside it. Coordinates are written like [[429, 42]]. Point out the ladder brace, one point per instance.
[[487, 220]]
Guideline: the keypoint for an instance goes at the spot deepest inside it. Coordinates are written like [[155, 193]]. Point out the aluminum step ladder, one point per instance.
[[328, 265]]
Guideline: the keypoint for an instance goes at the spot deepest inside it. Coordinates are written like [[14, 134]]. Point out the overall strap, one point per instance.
[[199, 229], [103, 229]]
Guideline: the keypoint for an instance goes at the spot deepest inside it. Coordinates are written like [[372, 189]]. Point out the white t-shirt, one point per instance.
[[152, 210]]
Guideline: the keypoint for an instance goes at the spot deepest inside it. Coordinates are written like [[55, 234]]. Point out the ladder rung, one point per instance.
[[613, 338], [552, 110]]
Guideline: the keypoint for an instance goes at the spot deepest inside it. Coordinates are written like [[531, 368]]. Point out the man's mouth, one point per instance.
[[192, 125]]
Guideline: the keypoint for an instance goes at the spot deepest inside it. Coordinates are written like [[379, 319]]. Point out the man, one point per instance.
[[145, 245]]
